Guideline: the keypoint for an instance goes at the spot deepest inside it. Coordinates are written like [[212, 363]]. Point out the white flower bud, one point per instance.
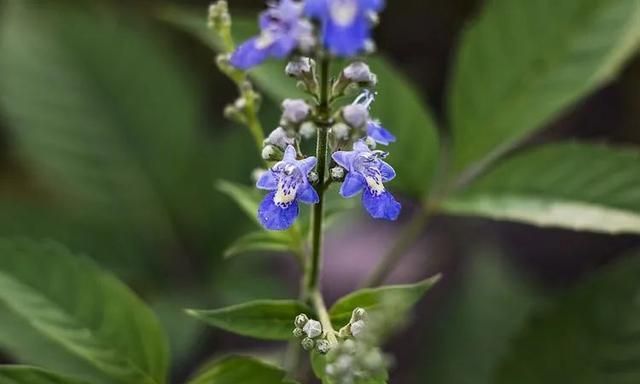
[[359, 314], [279, 138], [356, 115], [270, 153], [295, 111], [308, 344], [359, 72], [313, 177], [307, 130], [338, 173], [357, 328], [299, 67], [341, 131], [323, 346], [301, 320], [313, 329], [298, 332]]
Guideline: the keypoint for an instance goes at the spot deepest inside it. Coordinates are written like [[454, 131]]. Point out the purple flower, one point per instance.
[[346, 24], [282, 30], [368, 173], [378, 133], [288, 183]]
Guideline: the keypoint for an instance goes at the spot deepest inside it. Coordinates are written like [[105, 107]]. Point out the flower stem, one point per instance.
[[323, 316]]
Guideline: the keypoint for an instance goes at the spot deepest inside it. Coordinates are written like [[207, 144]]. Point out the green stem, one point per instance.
[[323, 316], [253, 123]]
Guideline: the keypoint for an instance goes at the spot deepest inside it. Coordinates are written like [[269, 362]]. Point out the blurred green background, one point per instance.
[[112, 137]]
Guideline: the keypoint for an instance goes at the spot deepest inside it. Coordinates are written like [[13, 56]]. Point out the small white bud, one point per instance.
[[295, 111], [341, 131], [308, 130], [301, 320], [357, 328], [359, 314], [308, 344], [359, 72], [313, 328], [323, 346], [298, 332], [270, 153], [338, 173], [279, 138], [313, 177], [356, 115], [299, 67]]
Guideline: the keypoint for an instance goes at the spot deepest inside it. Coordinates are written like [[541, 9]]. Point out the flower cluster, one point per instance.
[[307, 31]]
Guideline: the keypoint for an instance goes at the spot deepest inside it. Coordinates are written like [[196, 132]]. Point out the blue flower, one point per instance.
[[288, 183], [346, 23], [282, 31], [378, 133], [368, 173]]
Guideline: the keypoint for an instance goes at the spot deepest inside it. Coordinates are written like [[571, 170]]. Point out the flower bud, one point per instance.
[[359, 72], [308, 344], [233, 113], [307, 130], [359, 314], [279, 138], [295, 111], [356, 115], [298, 332], [357, 328], [338, 174], [313, 177], [300, 67], [323, 346], [313, 328], [271, 153], [341, 131], [219, 17], [301, 320]]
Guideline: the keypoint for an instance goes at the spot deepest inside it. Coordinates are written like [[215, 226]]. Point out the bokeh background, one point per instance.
[[112, 137]]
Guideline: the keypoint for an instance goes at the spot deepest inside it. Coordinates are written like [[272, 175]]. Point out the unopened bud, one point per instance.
[[295, 111], [359, 314], [313, 177], [308, 344], [341, 131], [338, 174], [313, 328], [359, 72], [279, 138], [356, 115], [219, 17], [301, 320], [357, 328], [300, 67], [271, 153], [307, 130], [323, 346], [298, 332]]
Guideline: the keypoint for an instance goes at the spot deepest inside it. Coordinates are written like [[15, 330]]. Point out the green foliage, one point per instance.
[[16, 374], [403, 297], [261, 241], [247, 198], [245, 370], [523, 62], [263, 319], [576, 186], [589, 336], [71, 303]]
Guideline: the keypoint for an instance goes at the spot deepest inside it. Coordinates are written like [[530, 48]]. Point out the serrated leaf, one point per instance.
[[588, 336], [575, 186], [73, 304], [262, 319], [18, 374], [261, 241], [524, 62], [403, 298], [241, 370]]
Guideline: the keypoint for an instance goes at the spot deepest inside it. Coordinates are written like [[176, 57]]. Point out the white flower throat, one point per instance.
[[343, 12], [368, 166], [289, 180]]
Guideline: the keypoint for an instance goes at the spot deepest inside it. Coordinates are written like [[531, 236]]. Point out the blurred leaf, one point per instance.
[[487, 307], [241, 370], [263, 319], [576, 186], [319, 363], [589, 336], [404, 112], [261, 241], [247, 198], [16, 374], [71, 302], [399, 105], [524, 62], [403, 298]]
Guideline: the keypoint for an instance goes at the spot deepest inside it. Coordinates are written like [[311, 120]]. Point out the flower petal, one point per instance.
[[267, 181], [307, 165], [275, 218], [309, 195], [382, 206], [248, 55], [290, 153], [344, 158], [351, 186], [388, 173], [347, 40], [360, 146], [316, 8], [380, 134]]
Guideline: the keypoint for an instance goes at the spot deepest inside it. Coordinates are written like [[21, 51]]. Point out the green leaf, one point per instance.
[[93, 316], [403, 298], [244, 370], [18, 374], [261, 241], [403, 111], [524, 62], [589, 336], [248, 199], [262, 319], [576, 186]]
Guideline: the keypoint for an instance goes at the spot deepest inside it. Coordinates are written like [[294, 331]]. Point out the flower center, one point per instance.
[[368, 165], [343, 12], [289, 180], [266, 39]]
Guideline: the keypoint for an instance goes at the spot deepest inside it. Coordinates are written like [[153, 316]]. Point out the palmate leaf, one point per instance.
[[262, 319], [71, 303], [17, 374], [589, 336], [403, 297], [523, 62], [575, 186], [239, 369], [399, 106]]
